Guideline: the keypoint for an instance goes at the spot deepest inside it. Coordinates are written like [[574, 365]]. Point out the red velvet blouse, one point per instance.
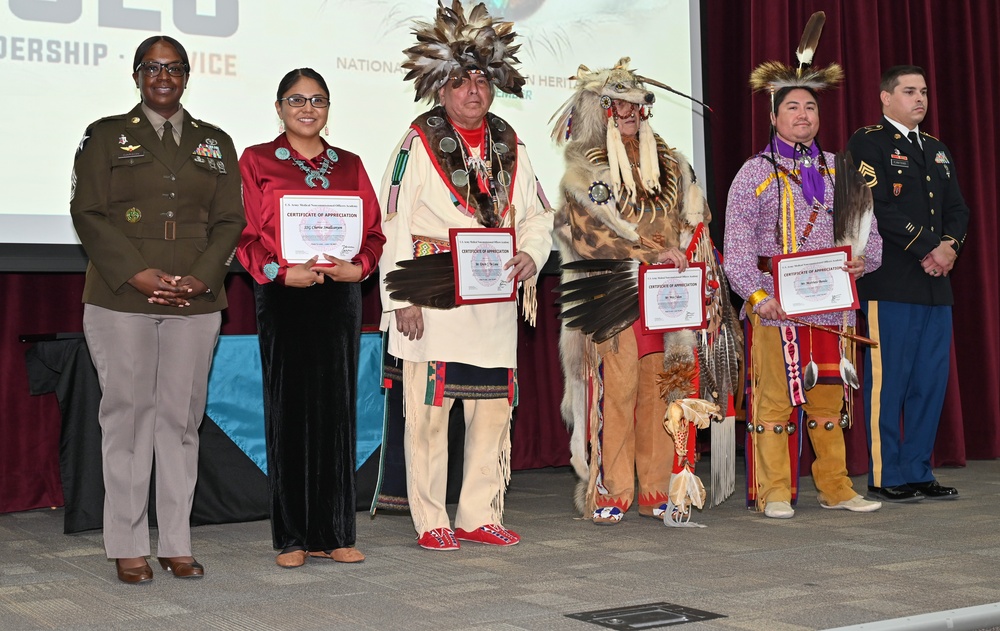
[[263, 174]]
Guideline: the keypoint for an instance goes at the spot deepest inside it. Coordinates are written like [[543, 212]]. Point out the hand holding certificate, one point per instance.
[[480, 255], [327, 222], [814, 282], [671, 300]]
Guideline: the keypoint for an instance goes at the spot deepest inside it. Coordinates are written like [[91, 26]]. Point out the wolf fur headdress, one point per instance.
[[581, 119], [455, 44], [588, 120]]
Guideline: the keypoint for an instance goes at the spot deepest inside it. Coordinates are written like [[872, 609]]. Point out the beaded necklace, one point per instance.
[[817, 205]]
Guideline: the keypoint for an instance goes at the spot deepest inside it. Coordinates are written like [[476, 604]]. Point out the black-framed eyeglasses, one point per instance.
[[297, 100], [153, 68]]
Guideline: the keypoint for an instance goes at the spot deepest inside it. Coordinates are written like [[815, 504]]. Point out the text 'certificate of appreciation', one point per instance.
[[814, 282], [318, 223], [671, 300], [479, 255]]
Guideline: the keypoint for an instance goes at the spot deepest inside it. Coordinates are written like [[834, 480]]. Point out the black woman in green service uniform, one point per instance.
[[158, 210]]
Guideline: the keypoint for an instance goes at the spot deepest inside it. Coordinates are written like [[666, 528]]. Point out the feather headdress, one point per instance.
[[455, 44], [774, 75]]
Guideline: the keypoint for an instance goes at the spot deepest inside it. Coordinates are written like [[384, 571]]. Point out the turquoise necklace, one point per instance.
[[312, 175]]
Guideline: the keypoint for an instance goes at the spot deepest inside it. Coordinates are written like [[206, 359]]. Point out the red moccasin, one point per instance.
[[438, 539], [490, 534]]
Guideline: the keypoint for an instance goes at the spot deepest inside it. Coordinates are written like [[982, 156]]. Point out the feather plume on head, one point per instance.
[[773, 76], [455, 44]]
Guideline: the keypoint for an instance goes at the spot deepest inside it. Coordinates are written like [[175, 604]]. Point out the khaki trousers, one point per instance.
[[772, 405], [153, 372], [486, 469], [633, 441]]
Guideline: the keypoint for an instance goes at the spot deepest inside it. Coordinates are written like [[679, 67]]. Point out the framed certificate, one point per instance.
[[318, 222], [814, 282], [671, 300], [479, 255]]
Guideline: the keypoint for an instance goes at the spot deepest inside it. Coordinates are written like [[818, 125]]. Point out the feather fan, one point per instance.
[[604, 303], [596, 291], [427, 281], [601, 265]]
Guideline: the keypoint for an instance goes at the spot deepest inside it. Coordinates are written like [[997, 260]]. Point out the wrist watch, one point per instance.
[[271, 270]]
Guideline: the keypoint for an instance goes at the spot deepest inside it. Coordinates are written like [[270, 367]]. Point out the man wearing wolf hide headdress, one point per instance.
[[628, 196], [458, 166]]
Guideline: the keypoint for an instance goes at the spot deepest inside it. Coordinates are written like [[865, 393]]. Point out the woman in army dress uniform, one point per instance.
[[309, 323], [158, 211]]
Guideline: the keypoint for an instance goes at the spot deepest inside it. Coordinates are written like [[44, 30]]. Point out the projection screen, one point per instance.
[[66, 63]]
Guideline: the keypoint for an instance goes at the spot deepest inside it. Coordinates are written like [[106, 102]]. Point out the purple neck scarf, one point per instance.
[[807, 158]]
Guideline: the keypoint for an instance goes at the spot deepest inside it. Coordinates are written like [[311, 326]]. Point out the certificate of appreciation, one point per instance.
[[814, 282], [671, 300], [479, 255], [318, 223]]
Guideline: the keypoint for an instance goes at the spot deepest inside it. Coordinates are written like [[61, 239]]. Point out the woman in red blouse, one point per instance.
[[309, 324]]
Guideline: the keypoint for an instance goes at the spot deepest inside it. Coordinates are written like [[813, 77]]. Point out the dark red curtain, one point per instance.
[[29, 426], [50, 303], [955, 41]]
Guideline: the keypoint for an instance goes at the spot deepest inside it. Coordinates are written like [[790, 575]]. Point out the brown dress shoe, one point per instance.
[[340, 555], [134, 575], [295, 558], [182, 569]]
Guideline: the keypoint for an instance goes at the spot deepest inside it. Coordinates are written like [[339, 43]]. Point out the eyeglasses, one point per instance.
[[478, 77], [300, 101], [153, 68]]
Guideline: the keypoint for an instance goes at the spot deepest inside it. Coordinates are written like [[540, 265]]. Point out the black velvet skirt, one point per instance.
[[309, 341]]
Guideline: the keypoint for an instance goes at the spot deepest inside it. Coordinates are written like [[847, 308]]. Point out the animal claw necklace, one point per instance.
[[312, 175]]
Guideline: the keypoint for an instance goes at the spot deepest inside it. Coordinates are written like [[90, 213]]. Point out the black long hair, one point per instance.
[[778, 98], [292, 76]]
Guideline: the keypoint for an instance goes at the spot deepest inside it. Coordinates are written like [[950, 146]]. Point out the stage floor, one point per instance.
[[819, 570]]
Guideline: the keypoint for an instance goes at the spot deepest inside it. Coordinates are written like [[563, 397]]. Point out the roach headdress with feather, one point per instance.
[[774, 75], [455, 44]]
